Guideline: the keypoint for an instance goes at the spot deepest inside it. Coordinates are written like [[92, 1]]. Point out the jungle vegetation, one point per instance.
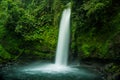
[[29, 30]]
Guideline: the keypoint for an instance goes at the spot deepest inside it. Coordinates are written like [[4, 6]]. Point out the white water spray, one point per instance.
[[62, 48], [59, 70], [63, 39]]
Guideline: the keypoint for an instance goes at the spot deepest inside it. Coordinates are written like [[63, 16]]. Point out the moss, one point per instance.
[[32, 25], [4, 54], [95, 27]]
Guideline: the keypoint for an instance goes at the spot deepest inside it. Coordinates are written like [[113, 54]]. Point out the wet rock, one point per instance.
[[116, 76]]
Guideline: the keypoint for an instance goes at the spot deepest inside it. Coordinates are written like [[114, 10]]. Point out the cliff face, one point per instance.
[[29, 28], [96, 24]]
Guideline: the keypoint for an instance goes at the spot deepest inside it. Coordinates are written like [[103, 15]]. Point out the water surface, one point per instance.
[[48, 71]]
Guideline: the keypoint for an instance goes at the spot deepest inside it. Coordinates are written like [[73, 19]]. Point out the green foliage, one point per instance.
[[95, 27], [4, 54], [26, 27], [3, 17], [93, 7], [30, 27]]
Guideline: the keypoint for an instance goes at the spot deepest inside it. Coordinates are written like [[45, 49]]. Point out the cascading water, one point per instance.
[[49, 71], [64, 38]]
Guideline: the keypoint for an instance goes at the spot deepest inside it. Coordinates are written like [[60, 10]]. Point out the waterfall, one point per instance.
[[63, 39]]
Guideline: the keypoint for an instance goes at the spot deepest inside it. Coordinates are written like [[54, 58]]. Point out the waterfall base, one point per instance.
[[48, 68], [48, 71]]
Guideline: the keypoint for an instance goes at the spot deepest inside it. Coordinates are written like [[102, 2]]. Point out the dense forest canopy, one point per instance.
[[29, 28]]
